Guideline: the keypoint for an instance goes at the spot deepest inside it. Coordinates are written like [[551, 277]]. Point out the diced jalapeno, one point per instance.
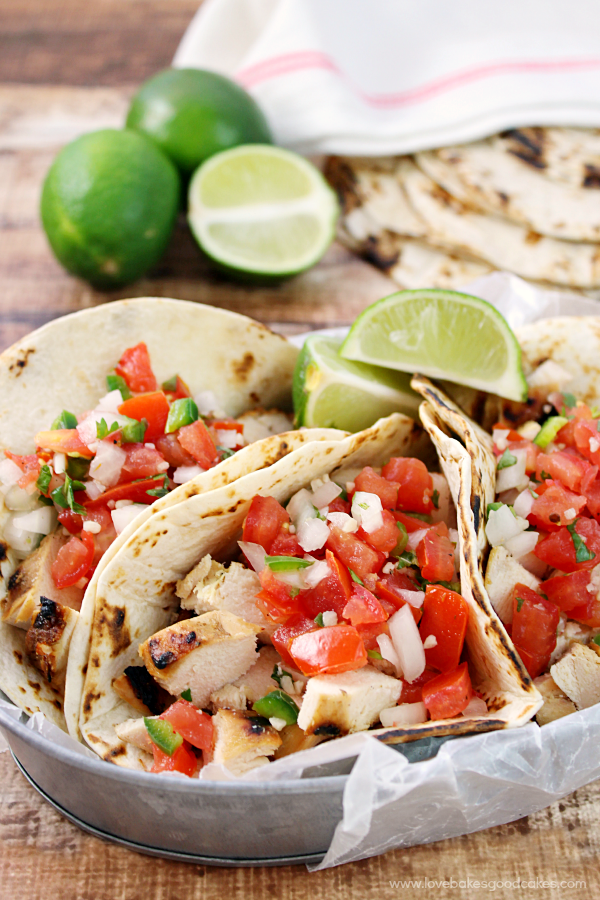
[[65, 420], [182, 412], [117, 383], [278, 705], [170, 384], [162, 734], [133, 432], [78, 467], [549, 430]]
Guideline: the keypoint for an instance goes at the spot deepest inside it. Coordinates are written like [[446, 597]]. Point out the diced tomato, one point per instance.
[[331, 593], [384, 538], [416, 484], [132, 490], [72, 521], [354, 553], [63, 440], [191, 723], [141, 462], [104, 538], [173, 452], [587, 439], [435, 554], [534, 625], [227, 425], [276, 600], [531, 450], [363, 607], [445, 616], [30, 465], [181, 390], [548, 510], [286, 544], [557, 549], [388, 587], [196, 439], [372, 483], [410, 523], [589, 614], [153, 407], [511, 436], [567, 466], [329, 651], [285, 634], [448, 694], [412, 691], [339, 505], [569, 591], [134, 366], [73, 560], [183, 760], [370, 633], [263, 521]]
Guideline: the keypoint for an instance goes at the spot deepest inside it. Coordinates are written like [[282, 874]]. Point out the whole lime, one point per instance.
[[109, 204], [192, 114]]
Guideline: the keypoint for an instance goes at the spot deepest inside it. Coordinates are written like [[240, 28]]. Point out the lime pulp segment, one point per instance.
[[442, 334]]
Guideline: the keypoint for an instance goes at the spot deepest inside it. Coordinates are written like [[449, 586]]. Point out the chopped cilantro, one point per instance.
[[187, 695], [65, 420], [278, 673], [435, 499], [102, 429], [402, 540], [582, 553], [494, 507], [78, 467], [44, 479], [158, 491], [422, 516], [520, 602], [225, 452], [596, 640], [319, 620], [533, 494], [570, 400], [64, 497], [408, 558], [544, 475], [344, 494], [170, 384], [507, 460], [451, 585], [355, 578]]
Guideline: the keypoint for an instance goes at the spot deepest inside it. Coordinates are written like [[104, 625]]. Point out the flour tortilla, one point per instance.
[[64, 365], [509, 175], [137, 588]]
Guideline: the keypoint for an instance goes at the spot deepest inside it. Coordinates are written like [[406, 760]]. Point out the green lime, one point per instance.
[[262, 210], [192, 114], [109, 204], [331, 392], [442, 334]]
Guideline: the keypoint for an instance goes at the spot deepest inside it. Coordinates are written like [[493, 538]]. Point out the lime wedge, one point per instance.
[[331, 392], [442, 334], [261, 210]]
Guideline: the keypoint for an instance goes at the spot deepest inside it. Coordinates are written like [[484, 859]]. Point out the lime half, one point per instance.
[[262, 210], [442, 334], [331, 392]]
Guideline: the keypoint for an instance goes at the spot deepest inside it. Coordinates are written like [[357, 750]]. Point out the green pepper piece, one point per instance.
[[133, 431], [506, 460], [78, 467], [182, 412], [286, 563], [402, 540], [117, 383], [162, 734], [549, 430], [277, 705], [65, 420], [170, 384]]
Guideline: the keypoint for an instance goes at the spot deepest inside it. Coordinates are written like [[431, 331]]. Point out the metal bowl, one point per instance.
[[215, 823]]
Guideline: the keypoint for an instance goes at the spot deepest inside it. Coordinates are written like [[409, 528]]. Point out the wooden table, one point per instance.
[[67, 66]]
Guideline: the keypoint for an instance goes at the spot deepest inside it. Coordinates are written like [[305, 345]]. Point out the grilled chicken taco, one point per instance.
[[542, 574], [327, 594], [103, 413]]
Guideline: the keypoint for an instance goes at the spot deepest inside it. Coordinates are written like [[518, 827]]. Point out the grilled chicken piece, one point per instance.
[[258, 680], [293, 740], [133, 731], [33, 580], [228, 697], [201, 654], [556, 704], [211, 586], [261, 423], [578, 675], [242, 740], [48, 638], [343, 704], [503, 572], [137, 687], [568, 633]]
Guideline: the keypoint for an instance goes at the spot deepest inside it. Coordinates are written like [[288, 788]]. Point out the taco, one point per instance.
[[233, 628], [103, 412], [542, 575]]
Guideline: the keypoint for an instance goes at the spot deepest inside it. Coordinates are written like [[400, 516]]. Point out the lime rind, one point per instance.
[[436, 332]]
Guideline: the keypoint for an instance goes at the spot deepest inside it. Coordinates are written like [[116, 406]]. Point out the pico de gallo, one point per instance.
[[93, 472], [353, 580], [543, 574]]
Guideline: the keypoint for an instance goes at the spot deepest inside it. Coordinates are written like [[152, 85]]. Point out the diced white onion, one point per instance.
[[17, 499], [186, 473], [301, 507], [522, 544], [254, 553], [404, 714], [228, 438], [530, 430], [413, 598], [110, 402], [293, 577], [368, 511], [277, 723], [87, 429], [18, 539], [513, 476], [40, 521], [388, 651], [126, 514], [59, 463], [107, 464], [476, 707], [207, 403], [407, 643], [524, 503], [343, 521], [119, 504], [502, 525], [10, 473], [314, 574], [330, 618], [389, 567], [92, 527], [93, 489], [326, 494], [500, 438], [312, 534], [430, 641], [415, 538]]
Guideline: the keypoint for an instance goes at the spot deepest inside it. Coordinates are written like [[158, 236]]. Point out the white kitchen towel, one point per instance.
[[374, 77]]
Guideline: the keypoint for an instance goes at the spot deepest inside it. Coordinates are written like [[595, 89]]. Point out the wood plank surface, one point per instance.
[[70, 66]]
